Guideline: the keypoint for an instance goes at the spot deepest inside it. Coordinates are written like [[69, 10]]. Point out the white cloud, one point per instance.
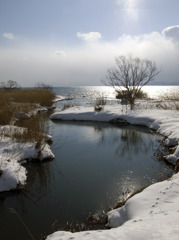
[[86, 65], [172, 32], [8, 35], [91, 36]]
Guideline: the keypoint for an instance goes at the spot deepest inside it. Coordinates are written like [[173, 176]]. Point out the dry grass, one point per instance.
[[44, 97], [174, 96], [34, 130], [168, 105], [99, 103], [66, 106], [169, 101], [13, 211], [22, 101], [165, 101], [25, 101]]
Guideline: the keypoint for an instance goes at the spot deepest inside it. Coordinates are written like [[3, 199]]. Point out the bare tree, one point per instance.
[[9, 85], [43, 85], [130, 75]]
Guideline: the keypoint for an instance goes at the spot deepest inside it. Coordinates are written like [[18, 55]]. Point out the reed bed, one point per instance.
[[25, 101]]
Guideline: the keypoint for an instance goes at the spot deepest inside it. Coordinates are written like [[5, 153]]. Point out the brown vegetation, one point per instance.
[[99, 103], [174, 96], [22, 100], [120, 94], [23, 103], [169, 101]]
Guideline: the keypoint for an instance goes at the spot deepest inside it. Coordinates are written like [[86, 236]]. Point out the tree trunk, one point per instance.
[[132, 104]]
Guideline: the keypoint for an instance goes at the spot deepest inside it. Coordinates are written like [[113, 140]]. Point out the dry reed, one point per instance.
[[25, 101]]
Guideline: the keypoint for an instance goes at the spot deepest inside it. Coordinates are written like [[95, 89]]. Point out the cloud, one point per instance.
[[91, 36], [86, 64], [8, 35], [172, 32]]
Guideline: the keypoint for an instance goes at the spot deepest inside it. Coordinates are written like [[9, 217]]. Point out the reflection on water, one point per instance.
[[129, 143], [95, 165], [93, 92]]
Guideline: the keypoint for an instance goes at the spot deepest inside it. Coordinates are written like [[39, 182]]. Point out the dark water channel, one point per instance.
[[95, 165]]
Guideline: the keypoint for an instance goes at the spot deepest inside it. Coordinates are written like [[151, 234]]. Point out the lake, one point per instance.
[[95, 165], [92, 92]]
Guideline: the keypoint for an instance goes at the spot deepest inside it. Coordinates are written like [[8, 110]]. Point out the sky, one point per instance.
[[74, 42]]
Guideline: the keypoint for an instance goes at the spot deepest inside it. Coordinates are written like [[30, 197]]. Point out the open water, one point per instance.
[[95, 165], [92, 92]]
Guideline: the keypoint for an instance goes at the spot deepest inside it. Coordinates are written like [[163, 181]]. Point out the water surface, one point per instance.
[[95, 165], [92, 92]]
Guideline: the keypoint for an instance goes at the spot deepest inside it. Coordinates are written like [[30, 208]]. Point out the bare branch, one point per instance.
[[131, 73]]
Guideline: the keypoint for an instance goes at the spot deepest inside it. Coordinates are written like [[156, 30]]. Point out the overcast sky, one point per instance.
[[74, 42]]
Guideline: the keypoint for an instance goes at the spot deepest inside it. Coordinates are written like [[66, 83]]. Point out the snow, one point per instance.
[[13, 155], [153, 213]]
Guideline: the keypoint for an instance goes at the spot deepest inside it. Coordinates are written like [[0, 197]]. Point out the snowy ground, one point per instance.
[[13, 155], [153, 213]]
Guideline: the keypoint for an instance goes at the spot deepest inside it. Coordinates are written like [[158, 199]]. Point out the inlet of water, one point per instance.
[[95, 165]]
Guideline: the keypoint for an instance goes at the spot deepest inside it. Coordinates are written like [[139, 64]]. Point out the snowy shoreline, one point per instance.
[[13, 155], [153, 213], [164, 122]]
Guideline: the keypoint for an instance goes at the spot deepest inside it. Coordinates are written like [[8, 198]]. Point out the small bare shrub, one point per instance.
[[65, 106], [170, 100], [174, 96], [168, 105], [101, 100], [42, 85], [120, 94], [98, 108], [9, 85], [99, 103]]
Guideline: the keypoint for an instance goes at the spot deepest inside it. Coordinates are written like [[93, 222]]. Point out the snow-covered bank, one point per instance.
[[164, 122], [13, 174], [152, 214]]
